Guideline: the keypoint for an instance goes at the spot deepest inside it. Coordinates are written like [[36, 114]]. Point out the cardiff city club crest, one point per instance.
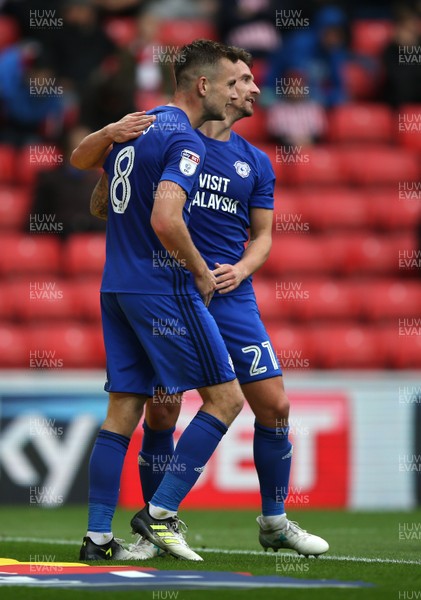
[[189, 162], [242, 168]]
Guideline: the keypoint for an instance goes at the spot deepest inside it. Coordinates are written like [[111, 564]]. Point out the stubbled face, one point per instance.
[[247, 92], [221, 90]]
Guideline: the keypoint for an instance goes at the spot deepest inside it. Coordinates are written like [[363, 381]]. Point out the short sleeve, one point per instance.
[[183, 160], [262, 195]]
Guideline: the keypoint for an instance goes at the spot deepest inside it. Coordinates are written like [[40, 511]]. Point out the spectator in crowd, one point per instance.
[[110, 92], [65, 191], [320, 52], [149, 70], [118, 8], [36, 20], [182, 9], [250, 24], [80, 46], [154, 78], [401, 62], [31, 97], [296, 119]]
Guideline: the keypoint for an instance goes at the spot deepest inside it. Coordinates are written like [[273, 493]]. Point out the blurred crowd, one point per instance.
[[81, 71], [73, 66], [339, 116]]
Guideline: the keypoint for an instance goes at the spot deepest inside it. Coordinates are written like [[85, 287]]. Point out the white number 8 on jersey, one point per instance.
[[120, 188]]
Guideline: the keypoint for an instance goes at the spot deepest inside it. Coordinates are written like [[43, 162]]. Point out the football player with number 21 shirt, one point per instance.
[[235, 195]]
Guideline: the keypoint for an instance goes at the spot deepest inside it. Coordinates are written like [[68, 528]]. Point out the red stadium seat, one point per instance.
[[286, 293], [267, 301], [31, 254], [314, 165], [408, 348], [85, 254], [368, 253], [67, 346], [330, 300], [177, 32], [14, 347], [293, 346], [391, 299], [342, 253], [43, 300], [371, 36], [8, 162], [291, 210], [380, 165], [9, 31], [360, 83], [403, 338], [361, 123], [408, 121], [253, 129], [349, 346], [87, 299], [395, 209], [286, 200], [321, 207], [334, 207], [35, 158], [15, 203], [122, 30], [296, 254], [7, 302]]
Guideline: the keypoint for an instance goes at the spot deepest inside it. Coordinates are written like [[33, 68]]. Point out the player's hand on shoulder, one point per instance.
[[228, 277], [130, 126], [206, 284]]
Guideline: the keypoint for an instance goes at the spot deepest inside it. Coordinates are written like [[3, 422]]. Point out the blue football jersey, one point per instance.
[[236, 177], [136, 261]]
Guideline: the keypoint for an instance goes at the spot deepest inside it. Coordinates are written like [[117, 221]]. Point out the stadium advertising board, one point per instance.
[[341, 424], [320, 429]]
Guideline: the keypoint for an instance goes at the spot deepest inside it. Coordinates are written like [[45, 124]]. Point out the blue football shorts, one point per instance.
[[171, 342], [245, 336]]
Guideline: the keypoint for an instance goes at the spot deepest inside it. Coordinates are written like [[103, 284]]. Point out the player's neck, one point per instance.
[[217, 130], [193, 110]]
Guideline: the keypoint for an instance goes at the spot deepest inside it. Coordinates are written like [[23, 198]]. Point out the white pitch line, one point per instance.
[[329, 557], [40, 541], [324, 557]]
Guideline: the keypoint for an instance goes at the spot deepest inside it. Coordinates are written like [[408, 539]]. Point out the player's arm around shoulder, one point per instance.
[[95, 147], [93, 150]]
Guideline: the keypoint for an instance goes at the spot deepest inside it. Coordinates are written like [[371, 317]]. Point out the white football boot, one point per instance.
[[288, 535]]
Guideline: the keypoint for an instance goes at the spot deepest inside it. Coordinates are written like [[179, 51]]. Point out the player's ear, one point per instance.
[[202, 85]]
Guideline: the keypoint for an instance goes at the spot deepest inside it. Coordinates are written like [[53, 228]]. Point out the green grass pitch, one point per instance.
[[363, 546]]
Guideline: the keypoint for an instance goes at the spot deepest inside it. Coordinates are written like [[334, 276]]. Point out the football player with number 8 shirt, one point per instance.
[[153, 274], [235, 195]]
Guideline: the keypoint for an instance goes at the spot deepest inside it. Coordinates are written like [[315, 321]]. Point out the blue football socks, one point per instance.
[[193, 451], [272, 457], [105, 468], [156, 453]]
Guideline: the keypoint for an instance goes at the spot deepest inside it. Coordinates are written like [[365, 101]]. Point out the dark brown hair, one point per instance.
[[243, 55], [200, 54]]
